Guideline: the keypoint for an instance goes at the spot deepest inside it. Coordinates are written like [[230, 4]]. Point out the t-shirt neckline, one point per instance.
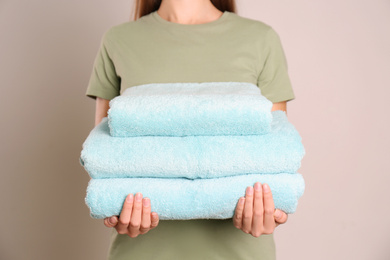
[[159, 19]]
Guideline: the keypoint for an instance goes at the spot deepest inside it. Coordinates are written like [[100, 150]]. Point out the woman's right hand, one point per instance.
[[136, 217]]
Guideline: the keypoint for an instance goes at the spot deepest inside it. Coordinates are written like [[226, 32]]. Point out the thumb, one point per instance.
[[280, 216], [113, 221]]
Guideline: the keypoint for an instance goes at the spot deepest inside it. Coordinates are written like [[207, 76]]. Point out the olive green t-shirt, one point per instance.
[[154, 50]]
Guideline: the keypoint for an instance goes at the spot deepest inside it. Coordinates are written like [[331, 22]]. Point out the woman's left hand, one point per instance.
[[255, 213]]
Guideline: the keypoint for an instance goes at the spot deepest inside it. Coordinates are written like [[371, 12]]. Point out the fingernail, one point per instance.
[[242, 200], [129, 198], [249, 190], [146, 202], [278, 214], [257, 186], [266, 188], [138, 196], [112, 220]]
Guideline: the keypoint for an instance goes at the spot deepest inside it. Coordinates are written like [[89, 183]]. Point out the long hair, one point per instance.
[[144, 7]]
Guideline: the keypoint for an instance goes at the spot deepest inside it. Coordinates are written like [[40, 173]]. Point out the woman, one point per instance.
[[192, 41]]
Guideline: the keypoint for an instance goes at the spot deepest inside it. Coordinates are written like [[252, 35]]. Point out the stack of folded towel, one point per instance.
[[192, 148]]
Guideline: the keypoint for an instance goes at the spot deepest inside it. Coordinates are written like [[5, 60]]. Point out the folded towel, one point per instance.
[[104, 156], [182, 109], [181, 198]]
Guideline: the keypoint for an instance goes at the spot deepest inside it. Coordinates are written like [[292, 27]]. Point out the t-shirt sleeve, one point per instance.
[[104, 81], [274, 81]]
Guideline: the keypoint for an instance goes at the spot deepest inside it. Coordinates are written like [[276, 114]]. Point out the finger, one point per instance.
[[155, 220], [280, 216], [258, 211], [111, 221], [124, 217], [269, 209], [248, 213], [145, 220], [237, 219], [135, 221]]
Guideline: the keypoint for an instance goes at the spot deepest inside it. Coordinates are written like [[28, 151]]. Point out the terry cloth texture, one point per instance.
[[182, 109], [181, 198], [279, 151]]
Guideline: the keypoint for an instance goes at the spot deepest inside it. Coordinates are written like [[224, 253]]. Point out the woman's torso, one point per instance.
[[150, 50], [192, 240]]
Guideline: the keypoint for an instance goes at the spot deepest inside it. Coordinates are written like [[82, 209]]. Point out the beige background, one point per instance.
[[339, 61]]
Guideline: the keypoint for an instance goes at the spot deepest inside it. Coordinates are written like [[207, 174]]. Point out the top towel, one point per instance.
[[184, 109]]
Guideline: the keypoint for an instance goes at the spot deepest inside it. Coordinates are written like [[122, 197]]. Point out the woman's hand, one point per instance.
[[135, 218], [255, 214]]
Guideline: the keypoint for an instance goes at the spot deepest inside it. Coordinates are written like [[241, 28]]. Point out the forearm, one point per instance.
[[280, 106], [102, 106]]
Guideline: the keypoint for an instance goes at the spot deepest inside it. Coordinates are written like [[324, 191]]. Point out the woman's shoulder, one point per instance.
[[250, 24], [126, 28]]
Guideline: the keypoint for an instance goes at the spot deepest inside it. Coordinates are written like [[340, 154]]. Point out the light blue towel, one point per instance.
[[182, 198], [280, 151], [181, 109]]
